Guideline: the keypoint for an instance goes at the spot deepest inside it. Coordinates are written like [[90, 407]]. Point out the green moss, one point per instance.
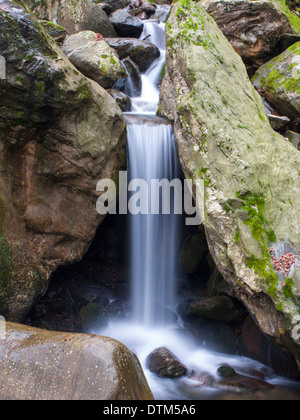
[[5, 264], [254, 205]]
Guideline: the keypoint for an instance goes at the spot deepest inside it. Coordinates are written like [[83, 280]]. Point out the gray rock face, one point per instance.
[[126, 25], [251, 198], [44, 365], [60, 133], [94, 58], [252, 28]]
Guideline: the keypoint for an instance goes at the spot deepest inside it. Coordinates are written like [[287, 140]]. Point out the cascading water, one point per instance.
[[152, 156], [153, 242]]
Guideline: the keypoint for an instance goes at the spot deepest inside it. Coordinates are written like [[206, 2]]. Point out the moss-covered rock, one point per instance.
[[94, 58], [279, 81], [83, 15], [44, 365], [251, 173], [59, 134]]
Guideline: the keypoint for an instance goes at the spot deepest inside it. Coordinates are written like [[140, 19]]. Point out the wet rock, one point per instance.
[[294, 138], [57, 32], [220, 123], [202, 379], [45, 365], [47, 132], [252, 28], [114, 4], [193, 251], [226, 372], [218, 308], [244, 384], [93, 316], [287, 40], [133, 84], [83, 15], [165, 364], [142, 53], [94, 58], [142, 7], [278, 123], [126, 25], [252, 339], [122, 99]]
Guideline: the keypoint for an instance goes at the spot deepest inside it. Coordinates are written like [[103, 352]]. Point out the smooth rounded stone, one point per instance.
[[294, 138], [122, 99], [126, 25], [278, 81], [143, 53], [165, 364], [133, 84], [193, 251], [218, 308], [252, 28], [226, 371], [45, 365], [84, 15], [94, 58], [57, 32]]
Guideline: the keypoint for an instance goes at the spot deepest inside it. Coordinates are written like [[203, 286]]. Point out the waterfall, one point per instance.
[[153, 237], [152, 155]]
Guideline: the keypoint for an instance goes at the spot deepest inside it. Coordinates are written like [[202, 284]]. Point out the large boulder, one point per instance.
[[142, 53], [126, 25], [45, 365], [252, 28], [251, 173], [279, 81], [165, 364], [84, 15], [60, 133], [94, 58]]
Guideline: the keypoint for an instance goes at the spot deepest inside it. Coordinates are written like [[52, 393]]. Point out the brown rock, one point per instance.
[[165, 364], [253, 29]]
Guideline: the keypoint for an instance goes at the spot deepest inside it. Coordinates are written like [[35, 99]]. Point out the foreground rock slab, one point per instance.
[[43, 365]]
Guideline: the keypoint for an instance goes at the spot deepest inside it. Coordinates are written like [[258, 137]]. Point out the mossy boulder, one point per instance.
[[84, 15], [59, 134], [45, 365], [250, 173], [279, 82], [94, 58]]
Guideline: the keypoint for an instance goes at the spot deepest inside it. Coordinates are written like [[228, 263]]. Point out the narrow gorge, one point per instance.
[[188, 289]]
